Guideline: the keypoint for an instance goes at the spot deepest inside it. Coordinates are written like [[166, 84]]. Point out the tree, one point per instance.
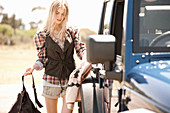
[[5, 19], [33, 25], [18, 23], [1, 9], [106, 26], [38, 8], [12, 22]]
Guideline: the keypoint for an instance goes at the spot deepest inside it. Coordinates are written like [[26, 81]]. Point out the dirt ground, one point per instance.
[[14, 61]]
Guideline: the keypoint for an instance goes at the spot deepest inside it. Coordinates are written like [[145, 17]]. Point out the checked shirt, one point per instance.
[[39, 40]]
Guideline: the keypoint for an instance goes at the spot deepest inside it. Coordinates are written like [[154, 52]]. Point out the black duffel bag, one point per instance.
[[23, 103]]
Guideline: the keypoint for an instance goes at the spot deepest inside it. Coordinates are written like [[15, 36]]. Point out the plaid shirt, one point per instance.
[[39, 40]]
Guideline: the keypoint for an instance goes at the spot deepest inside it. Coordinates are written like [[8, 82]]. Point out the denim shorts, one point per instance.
[[53, 92]]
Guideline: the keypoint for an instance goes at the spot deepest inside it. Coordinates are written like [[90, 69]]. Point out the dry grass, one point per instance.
[[14, 60]]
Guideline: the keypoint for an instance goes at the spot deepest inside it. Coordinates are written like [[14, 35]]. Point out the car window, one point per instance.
[[153, 24]]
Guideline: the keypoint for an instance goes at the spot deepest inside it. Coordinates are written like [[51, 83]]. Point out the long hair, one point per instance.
[[50, 24]]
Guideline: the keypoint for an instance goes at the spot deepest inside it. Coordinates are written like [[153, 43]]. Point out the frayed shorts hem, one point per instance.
[[50, 97], [53, 92]]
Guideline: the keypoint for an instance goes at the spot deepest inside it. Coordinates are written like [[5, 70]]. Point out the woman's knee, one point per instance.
[[51, 105]]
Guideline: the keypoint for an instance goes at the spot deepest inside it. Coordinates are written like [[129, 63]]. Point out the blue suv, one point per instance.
[[135, 52]]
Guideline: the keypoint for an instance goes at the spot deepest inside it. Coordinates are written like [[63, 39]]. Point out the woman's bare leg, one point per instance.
[[51, 105], [64, 108]]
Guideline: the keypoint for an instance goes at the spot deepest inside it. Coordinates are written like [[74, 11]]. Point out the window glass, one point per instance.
[[152, 25], [107, 16]]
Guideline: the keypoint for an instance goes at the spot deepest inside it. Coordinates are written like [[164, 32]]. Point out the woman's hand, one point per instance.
[[29, 71]]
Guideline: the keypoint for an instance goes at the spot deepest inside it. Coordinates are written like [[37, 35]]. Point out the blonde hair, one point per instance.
[[50, 24]]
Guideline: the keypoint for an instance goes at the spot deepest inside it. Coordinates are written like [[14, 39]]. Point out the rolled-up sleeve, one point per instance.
[[39, 41], [78, 44]]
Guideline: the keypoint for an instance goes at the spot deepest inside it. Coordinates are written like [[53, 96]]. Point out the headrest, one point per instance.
[[157, 19]]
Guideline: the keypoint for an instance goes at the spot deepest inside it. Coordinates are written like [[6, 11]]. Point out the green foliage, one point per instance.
[[28, 33], [106, 26], [6, 30], [19, 37], [15, 23]]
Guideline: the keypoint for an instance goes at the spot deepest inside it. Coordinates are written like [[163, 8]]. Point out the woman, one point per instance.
[[55, 45]]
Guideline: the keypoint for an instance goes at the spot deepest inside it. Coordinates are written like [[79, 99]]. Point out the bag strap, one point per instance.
[[35, 94]]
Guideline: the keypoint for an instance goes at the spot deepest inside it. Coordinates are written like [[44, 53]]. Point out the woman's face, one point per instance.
[[60, 15]]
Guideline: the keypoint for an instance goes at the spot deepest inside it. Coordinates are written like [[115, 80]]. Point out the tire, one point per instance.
[[92, 96]]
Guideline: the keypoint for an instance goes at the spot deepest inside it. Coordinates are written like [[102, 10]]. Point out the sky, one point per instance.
[[83, 13]]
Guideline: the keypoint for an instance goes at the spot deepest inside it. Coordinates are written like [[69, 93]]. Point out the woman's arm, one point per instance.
[[39, 40], [79, 46]]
